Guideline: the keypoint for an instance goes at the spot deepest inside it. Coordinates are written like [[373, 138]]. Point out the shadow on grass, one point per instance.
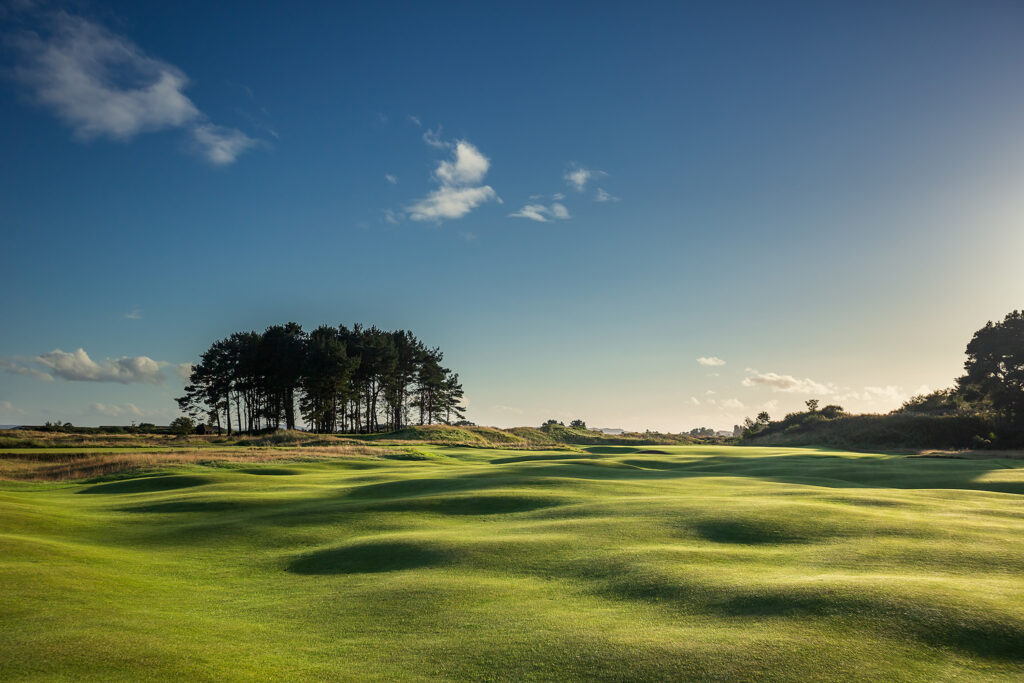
[[466, 505], [370, 558], [984, 635], [810, 469], [200, 506], [751, 532], [148, 484], [270, 471]]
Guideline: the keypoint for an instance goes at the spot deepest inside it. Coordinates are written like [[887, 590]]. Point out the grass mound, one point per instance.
[[610, 563]]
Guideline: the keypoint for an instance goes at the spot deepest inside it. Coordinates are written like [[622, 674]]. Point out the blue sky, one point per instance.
[[575, 201]]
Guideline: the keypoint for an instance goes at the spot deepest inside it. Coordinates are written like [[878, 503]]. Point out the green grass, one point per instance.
[[611, 562]]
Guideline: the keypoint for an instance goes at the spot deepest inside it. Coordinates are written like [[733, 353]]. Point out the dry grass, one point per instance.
[[25, 438], [973, 455], [67, 465]]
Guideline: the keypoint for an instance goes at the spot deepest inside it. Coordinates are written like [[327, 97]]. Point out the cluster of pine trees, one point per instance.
[[340, 379]]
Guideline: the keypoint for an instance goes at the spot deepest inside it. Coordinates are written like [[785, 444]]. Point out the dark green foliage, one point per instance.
[[348, 380], [995, 367], [578, 424], [985, 409], [897, 430], [942, 402], [182, 426]]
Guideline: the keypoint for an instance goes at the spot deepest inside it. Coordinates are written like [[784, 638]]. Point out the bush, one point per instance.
[[897, 430]]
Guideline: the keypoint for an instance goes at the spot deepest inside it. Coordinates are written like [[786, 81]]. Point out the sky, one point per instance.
[[645, 215]]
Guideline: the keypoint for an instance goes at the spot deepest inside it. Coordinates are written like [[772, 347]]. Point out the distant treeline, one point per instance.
[[985, 409], [341, 379]]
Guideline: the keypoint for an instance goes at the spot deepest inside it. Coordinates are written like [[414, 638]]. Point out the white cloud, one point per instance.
[[541, 213], [13, 368], [391, 216], [888, 392], [220, 145], [116, 411], [78, 367], [391, 179], [415, 120], [134, 314], [694, 400], [450, 202], [710, 361], [458, 193], [578, 177], [787, 383], [602, 196], [103, 85], [184, 370], [731, 404], [468, 167], [558, 196]]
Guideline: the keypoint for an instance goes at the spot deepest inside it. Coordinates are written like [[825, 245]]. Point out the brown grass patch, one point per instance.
[[67, 465]]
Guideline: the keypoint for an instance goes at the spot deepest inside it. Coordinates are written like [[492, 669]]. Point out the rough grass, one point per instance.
[[66, 464], [608, 563]]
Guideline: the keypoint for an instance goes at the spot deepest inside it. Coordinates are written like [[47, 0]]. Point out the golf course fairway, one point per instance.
[[606, 563]]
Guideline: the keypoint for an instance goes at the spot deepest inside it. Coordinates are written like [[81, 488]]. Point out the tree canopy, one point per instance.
[[341, 379], [995, 367]]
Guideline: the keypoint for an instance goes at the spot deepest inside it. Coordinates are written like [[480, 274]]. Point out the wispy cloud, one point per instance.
[[220, 145], [433, 138], [787, 383], [711, 361], [104, 85], [578, 176], [134, 314], [184, 371], [77, 366], [115, 410], [542, 213], [13, 368], [602, 196], [391, 179], [459, 191], [415, 120], [391, 216]]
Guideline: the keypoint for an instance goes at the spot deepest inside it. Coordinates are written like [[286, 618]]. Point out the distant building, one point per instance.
[[206, 429]]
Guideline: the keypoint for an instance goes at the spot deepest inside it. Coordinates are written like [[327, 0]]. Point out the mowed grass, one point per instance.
[[615, 563]]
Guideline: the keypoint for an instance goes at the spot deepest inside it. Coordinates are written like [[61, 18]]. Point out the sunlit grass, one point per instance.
[[617, 563]]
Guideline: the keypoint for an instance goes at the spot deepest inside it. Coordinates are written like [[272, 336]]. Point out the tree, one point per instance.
[[763, 419], [812, 405], [182, 426], [832, 411], [578, 424], [995, 367]]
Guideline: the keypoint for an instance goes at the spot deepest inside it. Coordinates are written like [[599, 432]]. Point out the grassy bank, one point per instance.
[[614, 562]]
